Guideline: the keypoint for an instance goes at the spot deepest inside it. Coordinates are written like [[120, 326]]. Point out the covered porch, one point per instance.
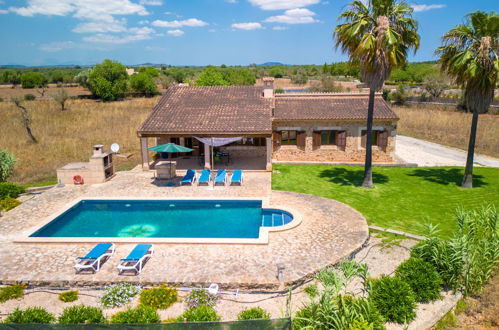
[[250, 152]]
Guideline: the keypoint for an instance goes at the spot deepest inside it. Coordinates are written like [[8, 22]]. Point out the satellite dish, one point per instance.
[[115, 147]]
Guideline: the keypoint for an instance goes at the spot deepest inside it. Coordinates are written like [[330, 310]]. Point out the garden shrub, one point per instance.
[[253, 313], [200, 297], [29, 97], [468, 259], [30, 315], [9, 203], [69, 296], [311, 290], [7, 162], [160, 297], [422, 277], [8, 189], [82, 315], [12, 292], [140, 314], [394, 299], [339, 312], [117, 295], [203, 313]]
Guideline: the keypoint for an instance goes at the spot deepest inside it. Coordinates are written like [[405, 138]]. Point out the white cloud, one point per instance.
[[143, 22], [151, 2], [231, 1], [113, 39], [247, 26], [294, 16], [279, 28], [3, 11], [176, 33], [56, 46], [193, 22], [282, 4], [132, 34], [101, 27], [418, 8], [83, 9]]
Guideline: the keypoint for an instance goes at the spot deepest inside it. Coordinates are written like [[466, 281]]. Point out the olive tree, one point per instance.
[[108, 80]]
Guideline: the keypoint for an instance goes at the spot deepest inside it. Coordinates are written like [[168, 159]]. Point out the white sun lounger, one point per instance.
[[95, 258], [136, 258]]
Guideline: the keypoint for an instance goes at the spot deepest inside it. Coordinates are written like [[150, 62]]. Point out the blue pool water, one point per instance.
[[160, 218]]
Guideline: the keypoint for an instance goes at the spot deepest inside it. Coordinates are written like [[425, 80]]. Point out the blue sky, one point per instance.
[[195, 32]]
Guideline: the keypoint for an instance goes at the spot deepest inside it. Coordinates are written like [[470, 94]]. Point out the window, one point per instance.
[[288, 137], [328, 137], [380, 138]]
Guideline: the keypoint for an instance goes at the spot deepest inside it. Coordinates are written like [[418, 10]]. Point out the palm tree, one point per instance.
[[470, 54], [378, 36]]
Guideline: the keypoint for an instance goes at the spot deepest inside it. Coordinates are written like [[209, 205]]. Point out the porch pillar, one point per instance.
[[181, 141], [145, 153], [268, 143], [207, 163]]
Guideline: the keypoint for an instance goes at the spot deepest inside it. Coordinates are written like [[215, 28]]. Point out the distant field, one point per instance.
[[7, 92], [449, 128], [67, 136]]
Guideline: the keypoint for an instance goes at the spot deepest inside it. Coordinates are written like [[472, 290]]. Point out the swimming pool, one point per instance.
[[239, 219]]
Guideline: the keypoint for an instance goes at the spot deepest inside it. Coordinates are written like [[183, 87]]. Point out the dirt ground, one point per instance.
[[482, 311]]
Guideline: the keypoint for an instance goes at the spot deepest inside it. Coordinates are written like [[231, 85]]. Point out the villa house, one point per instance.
[[257, 127]]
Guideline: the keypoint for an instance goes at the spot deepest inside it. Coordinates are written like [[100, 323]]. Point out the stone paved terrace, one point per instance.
[[329, 231]]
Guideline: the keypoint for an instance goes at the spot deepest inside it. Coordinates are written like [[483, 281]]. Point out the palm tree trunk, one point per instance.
[[468, 172], [368, 170]]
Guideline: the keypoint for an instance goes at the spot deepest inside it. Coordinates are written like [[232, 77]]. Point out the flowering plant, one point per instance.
[[117, 295]]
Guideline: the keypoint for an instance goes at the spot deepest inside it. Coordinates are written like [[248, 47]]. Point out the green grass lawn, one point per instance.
[[403, 198]]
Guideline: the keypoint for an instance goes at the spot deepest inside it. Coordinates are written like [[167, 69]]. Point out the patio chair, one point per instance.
[[237, 177], [205, 177], [221, 177], [95, 258], [136, 259], [189, 177]]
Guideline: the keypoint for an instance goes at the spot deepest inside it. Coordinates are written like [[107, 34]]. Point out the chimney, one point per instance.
[[268, 87], [98, 149]]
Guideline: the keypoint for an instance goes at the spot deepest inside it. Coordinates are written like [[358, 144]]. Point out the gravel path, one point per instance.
[[426, 153]]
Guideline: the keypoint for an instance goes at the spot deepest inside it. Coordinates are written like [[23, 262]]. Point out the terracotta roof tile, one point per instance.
[[329, 107], [229, 110], [211, 109]]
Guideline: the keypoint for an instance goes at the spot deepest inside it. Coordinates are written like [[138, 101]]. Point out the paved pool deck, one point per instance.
[[329, 232]]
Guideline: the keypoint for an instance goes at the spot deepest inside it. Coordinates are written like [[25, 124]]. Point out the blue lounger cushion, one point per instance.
[[97, 251], [205, 176], [221, 176], [237, 176], [189, 176], [138, 252]]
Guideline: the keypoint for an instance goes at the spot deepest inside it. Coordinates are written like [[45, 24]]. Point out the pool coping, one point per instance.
[[263, 237]]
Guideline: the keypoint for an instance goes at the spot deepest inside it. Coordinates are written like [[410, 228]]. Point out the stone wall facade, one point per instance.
[[353, 151]]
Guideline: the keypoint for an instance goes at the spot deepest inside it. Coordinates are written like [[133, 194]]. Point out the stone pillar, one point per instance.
[[268, 143], [207, 162], [145, 153], [182, 141]]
